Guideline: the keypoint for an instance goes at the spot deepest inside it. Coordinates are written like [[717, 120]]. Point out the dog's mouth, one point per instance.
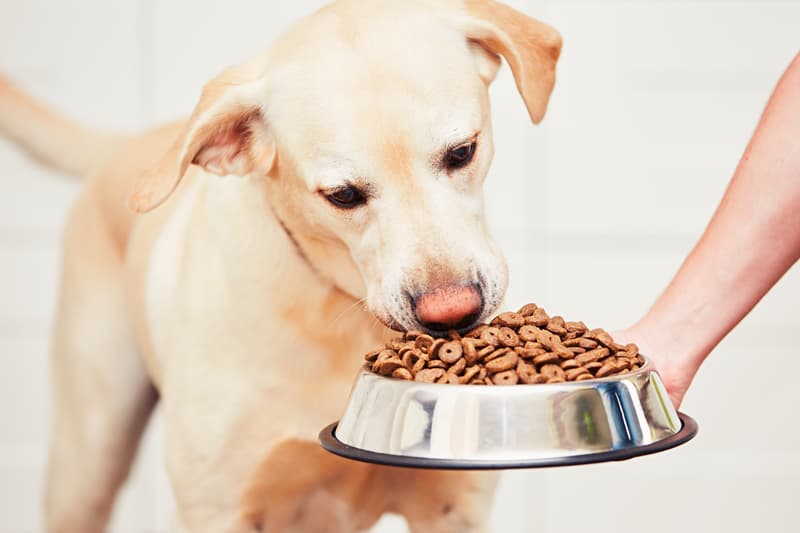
[[440, 310], [393, 324], [434, 329], [390, 322], [442, 330]]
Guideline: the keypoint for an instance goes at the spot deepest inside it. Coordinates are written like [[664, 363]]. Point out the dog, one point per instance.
[[320, 195]]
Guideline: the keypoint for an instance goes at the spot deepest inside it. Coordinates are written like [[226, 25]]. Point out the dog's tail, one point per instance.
[[53, 139]]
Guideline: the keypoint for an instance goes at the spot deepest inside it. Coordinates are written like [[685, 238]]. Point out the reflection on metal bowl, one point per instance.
[[405, 423]]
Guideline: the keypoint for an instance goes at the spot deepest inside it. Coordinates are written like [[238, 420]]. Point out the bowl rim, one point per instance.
[[329, 441]]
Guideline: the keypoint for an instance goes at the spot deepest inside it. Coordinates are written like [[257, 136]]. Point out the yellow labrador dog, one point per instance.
[[359, 143]]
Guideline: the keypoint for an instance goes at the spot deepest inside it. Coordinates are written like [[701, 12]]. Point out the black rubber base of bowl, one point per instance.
[[328, 440]]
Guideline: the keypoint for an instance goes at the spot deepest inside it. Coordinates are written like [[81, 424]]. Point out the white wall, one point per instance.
[[595, 209]]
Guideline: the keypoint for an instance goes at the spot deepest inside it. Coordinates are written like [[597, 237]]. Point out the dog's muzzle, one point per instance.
[[446, 308]]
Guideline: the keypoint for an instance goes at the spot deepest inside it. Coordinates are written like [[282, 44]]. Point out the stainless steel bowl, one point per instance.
[[405, 423]]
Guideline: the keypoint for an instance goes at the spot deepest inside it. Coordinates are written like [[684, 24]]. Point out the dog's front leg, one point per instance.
[[218, 428], [300, 488], [435, 501], [236, 466]]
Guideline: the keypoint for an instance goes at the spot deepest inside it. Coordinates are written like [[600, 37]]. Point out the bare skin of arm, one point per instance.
[[750, 242]]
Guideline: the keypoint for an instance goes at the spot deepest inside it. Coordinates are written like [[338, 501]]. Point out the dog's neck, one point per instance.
[[316, 253], [329, 259], [298, 247], [265, 250]]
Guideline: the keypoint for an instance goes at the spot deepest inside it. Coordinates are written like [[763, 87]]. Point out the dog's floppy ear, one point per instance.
[[531, 48], [226, 134]]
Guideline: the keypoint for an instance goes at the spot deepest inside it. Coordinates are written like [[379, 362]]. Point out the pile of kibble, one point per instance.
[[523, 347]]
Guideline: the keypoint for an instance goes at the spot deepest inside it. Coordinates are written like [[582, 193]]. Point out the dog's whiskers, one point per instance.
[[349, 309]]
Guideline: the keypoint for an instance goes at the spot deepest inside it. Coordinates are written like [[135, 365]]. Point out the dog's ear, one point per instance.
[[226, 135], [531, 48]]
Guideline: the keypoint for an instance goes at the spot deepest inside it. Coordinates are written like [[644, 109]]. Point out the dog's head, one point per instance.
[[369, 125]]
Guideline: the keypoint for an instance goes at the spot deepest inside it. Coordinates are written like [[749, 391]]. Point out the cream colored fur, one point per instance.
[[241, 299]]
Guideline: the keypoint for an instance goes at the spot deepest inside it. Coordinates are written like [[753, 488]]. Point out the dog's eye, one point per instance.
[[460, 156], [346, 197]]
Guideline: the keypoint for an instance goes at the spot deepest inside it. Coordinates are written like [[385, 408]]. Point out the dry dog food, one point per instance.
[[526, 346]]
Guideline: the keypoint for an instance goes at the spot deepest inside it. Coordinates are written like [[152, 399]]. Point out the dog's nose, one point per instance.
[[449, 307]]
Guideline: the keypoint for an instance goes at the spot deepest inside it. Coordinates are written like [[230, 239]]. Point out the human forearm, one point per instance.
[[751, 241]]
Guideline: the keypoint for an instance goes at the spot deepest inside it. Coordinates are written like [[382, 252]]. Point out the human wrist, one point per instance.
[[676, 344]]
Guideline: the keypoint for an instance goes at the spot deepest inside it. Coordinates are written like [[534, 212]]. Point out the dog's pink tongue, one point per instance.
[[448, 307]]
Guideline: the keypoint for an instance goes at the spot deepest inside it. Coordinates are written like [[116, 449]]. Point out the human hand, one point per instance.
[[675, 372]]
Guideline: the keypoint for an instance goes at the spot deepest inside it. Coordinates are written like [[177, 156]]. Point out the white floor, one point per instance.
[[595, 209]]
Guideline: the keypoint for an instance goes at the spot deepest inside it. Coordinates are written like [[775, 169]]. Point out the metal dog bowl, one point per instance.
[[405, 423]]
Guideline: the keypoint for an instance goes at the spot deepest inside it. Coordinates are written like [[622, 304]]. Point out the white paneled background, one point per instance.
[[595, 209]]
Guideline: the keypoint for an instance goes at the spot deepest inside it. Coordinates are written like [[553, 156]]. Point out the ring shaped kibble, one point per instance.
[[523, 347]]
